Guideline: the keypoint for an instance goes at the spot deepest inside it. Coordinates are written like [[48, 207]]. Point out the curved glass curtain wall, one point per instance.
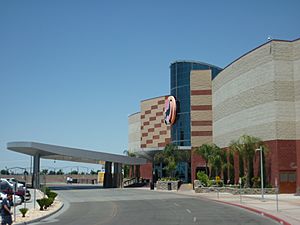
[[180, 88]]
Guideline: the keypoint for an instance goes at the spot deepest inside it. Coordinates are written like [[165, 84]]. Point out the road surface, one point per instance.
[[145, 207]]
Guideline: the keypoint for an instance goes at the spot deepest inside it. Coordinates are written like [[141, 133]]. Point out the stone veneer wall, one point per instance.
[[235, 191], [258, 95], [134, 132], [255, 95], [163, 185], [296, 68], [154, 132]]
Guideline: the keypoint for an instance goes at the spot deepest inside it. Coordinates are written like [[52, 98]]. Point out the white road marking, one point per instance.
[[195, 219], [176, 204], [189, 211]]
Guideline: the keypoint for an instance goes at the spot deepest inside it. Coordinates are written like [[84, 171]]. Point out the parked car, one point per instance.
[[12, 181], [20, 185], [6, 188], [16, 199]]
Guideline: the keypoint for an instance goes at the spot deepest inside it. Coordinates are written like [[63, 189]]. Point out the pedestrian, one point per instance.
[[5, 210]]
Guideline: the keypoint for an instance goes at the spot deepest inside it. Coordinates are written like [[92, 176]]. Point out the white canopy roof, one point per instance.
[[55, 152]]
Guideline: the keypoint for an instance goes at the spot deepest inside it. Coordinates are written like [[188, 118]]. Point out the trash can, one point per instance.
[[151, 185], [169, 186]]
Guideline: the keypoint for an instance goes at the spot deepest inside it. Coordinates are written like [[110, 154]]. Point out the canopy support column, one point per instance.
[[108, 176], [118, 176], [36, 171]]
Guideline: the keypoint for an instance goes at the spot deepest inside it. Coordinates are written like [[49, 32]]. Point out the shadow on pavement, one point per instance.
[[74, 187]]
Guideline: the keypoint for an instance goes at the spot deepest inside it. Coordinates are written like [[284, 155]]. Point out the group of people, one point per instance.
[[5, 210]]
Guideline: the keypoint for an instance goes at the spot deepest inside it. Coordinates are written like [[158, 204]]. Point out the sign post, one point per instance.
[[14, 200], [240, 183], [218, 181], [277, 190]]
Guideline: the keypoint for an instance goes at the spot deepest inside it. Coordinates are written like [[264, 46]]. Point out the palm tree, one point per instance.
[[217, 160], [127, 168], [205, 151], [246, 146], [171, 156], [214, 156]]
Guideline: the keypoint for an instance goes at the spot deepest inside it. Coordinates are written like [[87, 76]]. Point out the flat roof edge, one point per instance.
[[84, 154]]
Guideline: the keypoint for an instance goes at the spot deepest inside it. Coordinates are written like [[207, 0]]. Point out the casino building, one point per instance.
[[258, 94]]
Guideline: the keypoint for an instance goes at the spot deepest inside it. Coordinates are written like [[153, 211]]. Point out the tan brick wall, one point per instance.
[[257, 94], [296, 68], [134, 132], [154, 132], [201, 104]]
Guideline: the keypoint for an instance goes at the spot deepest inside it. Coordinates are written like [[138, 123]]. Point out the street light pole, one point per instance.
[[261, 172]]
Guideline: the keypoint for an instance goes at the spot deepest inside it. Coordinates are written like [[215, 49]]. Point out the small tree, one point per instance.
[[246, 146], [93, 172], [44, 172], [205, 151], [60, 172], [214, 157], [74, 172], [127, 168], [203, 178], [4, 172], [171, 156]]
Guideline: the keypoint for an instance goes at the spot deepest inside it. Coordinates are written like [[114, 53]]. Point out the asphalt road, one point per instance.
[[145, 207]]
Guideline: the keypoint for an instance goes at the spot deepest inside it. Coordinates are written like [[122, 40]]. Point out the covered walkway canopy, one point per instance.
[[46, 151]]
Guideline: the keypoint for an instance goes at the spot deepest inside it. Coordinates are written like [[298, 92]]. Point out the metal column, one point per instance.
[[118, 176], [107, 175], [36, 171]]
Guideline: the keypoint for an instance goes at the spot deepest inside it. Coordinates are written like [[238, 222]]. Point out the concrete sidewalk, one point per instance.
[[288, 204]]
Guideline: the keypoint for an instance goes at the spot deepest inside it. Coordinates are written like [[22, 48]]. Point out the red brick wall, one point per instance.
[[146, 171], [298, 165], [281, 157], [236, 168], [196, 161]]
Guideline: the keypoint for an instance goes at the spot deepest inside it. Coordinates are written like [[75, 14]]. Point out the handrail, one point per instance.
[[130, 181]]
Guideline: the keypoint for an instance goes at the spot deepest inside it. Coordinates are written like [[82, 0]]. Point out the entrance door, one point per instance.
[[287, 182]]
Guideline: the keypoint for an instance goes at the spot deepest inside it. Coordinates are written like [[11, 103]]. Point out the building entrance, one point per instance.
[[287, 181]]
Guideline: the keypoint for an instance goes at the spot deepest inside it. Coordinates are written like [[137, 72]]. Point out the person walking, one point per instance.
[[5, 210]]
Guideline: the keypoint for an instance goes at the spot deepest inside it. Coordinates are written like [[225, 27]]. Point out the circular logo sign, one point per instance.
[[170, 110]]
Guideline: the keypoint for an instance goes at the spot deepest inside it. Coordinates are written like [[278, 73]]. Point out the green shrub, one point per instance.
[[203, 178], [168, 179], [52, 195], [23, 211], [256, 182], [42, 203], [48, 202], [244, 181]]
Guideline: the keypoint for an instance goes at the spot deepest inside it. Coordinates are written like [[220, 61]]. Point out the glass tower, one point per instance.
[[180, 89]]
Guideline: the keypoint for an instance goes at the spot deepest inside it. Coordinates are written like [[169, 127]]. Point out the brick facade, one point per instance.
[[201, 115], [258, 95], [281, 158], [196, 161], [154, 132], [146, 171]]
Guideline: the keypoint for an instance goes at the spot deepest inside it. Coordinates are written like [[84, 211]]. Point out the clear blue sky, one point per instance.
[[72, 71]]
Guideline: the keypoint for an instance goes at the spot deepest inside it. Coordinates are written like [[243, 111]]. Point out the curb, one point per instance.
[[279, 220], [41, 218]]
